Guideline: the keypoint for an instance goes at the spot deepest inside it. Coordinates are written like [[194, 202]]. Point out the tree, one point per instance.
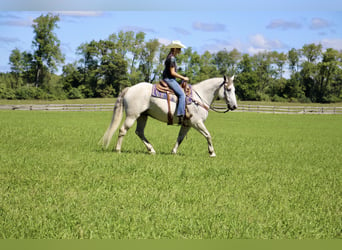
[[329, 69], [130, 46], [279, 59], [293, 59], [47, 54], [207, 68], [104, 69], [247, 80], [312, 52], [263, 67], [17, 67], [148, 60], [226, 62]]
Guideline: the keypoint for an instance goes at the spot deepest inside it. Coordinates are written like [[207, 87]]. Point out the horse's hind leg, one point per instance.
[[141, 123], [123, 130]]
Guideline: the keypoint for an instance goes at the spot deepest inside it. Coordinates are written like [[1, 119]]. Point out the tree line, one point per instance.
[[105, 67]]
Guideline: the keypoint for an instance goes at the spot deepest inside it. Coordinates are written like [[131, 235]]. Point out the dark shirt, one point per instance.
[[169, 62]]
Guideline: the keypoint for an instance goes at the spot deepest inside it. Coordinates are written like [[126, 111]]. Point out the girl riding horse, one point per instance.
[[170, 74]]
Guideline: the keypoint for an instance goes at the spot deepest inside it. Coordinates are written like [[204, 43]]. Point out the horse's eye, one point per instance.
[[229, 89]]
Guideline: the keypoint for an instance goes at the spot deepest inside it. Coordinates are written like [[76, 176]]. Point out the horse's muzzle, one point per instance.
[[232, 107]]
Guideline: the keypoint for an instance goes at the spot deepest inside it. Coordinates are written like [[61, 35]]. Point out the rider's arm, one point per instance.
[[175, 74]]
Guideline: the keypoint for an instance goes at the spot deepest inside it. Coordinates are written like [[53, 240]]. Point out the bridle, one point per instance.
[[210, 107]]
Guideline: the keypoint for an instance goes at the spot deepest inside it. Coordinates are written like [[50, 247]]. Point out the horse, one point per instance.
[[139, 104]]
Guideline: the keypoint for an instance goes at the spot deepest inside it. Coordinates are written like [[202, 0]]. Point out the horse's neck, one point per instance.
[[208, 89]]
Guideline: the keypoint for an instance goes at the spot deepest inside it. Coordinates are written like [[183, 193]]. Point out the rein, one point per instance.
[[210, 107]]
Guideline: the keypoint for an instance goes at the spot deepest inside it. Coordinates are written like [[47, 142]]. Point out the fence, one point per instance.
[[242, 108], [61, 107], [290, 109]]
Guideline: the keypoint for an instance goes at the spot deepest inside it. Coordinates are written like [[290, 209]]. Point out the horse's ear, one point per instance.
[[232, 77], [225, 78]]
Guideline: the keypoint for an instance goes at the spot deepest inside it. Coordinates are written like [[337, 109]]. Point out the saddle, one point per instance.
[[162, 87]]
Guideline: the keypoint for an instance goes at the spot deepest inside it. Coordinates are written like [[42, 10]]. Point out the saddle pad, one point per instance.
[[173, 98]]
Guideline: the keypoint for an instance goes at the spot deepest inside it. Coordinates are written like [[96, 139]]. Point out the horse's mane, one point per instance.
[[206, 82]]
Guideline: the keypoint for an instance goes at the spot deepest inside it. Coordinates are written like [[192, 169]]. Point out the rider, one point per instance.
[[170, 74]]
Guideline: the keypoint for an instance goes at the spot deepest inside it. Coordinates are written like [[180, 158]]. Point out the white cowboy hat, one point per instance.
[[176, 44]]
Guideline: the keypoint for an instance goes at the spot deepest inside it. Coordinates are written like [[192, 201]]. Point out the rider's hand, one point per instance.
[[186, 79]]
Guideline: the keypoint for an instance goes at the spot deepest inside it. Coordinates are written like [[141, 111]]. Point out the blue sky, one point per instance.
[[249, 26]]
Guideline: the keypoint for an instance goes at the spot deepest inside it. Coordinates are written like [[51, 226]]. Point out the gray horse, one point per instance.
[[139, 104]]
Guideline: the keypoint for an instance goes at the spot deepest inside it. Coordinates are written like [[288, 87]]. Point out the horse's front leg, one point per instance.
[[182, 133], [204, 131]]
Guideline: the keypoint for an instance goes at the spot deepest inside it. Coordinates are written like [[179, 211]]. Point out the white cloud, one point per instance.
[[209, 27], [8, 40], [181, 31], [319, 23], [332, 43], [283, 25], [164, 41], [137, 29], [259, 42], [18, 22], [80, 13], [252, 50]]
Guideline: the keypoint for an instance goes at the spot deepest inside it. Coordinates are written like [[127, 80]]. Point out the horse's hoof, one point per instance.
[[212, 155]]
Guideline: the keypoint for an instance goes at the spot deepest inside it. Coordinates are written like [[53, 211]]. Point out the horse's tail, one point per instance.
[[116, 120]]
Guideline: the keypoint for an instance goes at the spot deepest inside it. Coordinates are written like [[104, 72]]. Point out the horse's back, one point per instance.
[[138, 97]]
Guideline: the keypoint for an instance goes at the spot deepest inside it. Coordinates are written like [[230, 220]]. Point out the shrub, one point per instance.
[[75, 93], [7, 93], [25, 93], [277, 98]]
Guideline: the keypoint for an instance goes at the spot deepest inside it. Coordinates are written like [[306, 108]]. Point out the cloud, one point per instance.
[[15, 21], [80, 13], [8, 40], [181, 31], [319, 23], [137, 29], [332, 43], [209, 27], [283, 25], [216, 45], [258, 43], [164, 41]]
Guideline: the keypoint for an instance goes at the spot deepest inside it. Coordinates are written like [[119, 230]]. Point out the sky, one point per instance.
[[247, 25]]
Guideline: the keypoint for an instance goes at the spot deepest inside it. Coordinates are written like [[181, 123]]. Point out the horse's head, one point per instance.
[[228, 92]]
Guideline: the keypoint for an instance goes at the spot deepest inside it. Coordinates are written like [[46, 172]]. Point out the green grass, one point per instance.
[[274, 177]]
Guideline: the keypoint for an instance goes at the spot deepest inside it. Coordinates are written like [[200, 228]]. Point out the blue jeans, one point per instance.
[[173, 84]]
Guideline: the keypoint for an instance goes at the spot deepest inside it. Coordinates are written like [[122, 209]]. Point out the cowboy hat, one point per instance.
[[176, 44]]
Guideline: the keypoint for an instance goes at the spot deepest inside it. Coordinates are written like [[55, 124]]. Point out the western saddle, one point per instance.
[[164, 88]]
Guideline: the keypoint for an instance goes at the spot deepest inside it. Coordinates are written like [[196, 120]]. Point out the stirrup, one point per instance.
[[180, 120]]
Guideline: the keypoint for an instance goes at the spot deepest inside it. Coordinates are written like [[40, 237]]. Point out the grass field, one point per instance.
[[274, 177]]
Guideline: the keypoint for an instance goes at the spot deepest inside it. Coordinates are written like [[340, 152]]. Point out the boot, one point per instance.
[[180, 120]]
